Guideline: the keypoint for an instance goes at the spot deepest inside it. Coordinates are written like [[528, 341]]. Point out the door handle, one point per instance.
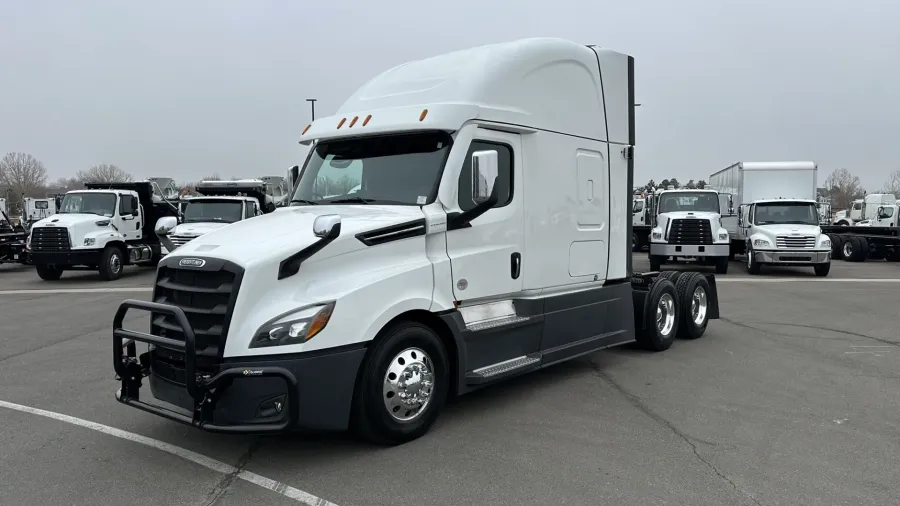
[[515, 265]]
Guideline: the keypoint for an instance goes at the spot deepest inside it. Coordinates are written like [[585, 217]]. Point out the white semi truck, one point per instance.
[[864, 209], [688, 225], [105, 227], [220, 204], [778, 221], [489, 237]]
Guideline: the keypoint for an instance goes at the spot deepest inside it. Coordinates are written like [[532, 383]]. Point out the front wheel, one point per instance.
[[111, 262], [48, 272], [722, 265], [822, 270], [656, 262], [753, 267], [402, 387]]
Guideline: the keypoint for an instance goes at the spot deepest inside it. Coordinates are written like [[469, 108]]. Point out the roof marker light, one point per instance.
[[353, 121], [306, 129], [424, 113], [343, 120], [366, 121]]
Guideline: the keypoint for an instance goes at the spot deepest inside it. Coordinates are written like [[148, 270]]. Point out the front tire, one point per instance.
[[722, 265], [111, 263], [753, 267], [660, 316], [402, 387], [822, 270], [656, 262], [48, 272]]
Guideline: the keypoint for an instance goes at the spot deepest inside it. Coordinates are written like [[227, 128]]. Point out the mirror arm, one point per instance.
[[164, 239], [463, 219]]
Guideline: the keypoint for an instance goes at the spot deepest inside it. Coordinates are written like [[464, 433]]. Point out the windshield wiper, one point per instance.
[[303, 201], [351, 200]]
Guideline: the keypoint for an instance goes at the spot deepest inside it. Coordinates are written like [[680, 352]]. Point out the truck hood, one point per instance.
[[790, 229], [78, 224], [286, 231], [198, 228], [662, 219]]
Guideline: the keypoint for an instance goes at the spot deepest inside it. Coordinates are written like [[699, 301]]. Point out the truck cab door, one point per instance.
[[129, 218], [729, 214], [486, 258]]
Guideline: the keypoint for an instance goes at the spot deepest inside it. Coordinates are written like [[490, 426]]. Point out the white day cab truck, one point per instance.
[[220, 203], [778, 220], [367, 310], [864, 209], [687, 225], [105, 227]]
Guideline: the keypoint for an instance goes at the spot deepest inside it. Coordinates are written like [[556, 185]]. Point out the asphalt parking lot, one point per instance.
[[793, 397]]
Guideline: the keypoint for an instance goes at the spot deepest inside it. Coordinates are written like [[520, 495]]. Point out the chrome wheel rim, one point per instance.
[[698, 306], [665, 314], [848, 249], [115, 263], [408, 384]]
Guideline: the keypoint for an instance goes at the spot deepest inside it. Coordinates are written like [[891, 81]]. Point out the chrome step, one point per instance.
[[501, 369]]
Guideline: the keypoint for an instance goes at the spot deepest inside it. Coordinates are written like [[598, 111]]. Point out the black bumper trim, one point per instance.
[[203, 390], [70, 257]]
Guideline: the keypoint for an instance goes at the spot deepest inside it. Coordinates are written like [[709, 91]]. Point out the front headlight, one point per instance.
[[826, 243], [723, 236], [89, 241], [294, 328], [761, 243], [656, 233]]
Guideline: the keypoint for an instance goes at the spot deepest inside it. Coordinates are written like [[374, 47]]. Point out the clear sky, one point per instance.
[[188, 88]]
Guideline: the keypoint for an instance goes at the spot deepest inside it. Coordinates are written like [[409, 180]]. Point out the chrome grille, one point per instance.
[[50, 239], [795, 241], [181, 240]]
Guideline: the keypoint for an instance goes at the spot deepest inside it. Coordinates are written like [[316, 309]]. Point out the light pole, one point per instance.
[[312, 105]]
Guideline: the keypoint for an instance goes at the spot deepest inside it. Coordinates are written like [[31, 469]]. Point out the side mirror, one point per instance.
[[134, 212], [484, 175], [165, 225], [327, 226], [740, 221]]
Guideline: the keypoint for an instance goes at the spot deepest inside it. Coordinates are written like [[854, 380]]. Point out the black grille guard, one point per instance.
[[203, 390]]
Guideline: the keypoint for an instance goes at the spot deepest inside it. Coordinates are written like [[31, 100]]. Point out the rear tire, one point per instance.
[[111, 263], [822, 270], [379, 414], [693, 296], [660, 316], [48, 272], [855, 249], [656, 262], [670, 275], [837, 242]]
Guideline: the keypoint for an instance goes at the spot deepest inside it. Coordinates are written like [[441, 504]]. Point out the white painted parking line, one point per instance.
[[51, 291], [207, 462], [798, 280]]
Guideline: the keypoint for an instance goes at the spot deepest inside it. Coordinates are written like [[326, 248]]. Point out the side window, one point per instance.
[[857, 206], [126, 205], [504, 174], [249, 210]]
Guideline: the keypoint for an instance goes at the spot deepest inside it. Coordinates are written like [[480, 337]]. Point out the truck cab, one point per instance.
[[688, 224], [864, 209], [105, 227], [219, 204], [785, 232]]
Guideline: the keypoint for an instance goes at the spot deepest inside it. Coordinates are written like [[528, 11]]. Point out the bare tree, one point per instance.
[[843, 188], [22, 174], [893, 184], [214, 177], [65, 184], [104, 173]]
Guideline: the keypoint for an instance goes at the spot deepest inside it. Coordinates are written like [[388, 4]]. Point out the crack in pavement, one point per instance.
[[637, 403], [811, 327], [225, 483]]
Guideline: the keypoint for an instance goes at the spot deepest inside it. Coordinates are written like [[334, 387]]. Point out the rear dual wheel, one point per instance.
[[679, 308]]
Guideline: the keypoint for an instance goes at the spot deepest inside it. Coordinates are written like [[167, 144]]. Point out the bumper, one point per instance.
[[254, 395], [792, 257], [70, 257], [689, 250]]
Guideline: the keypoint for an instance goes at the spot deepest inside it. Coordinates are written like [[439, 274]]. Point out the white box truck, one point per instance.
[[460, 220], [777, 220]]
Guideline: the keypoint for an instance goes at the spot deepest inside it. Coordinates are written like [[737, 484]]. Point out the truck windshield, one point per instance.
[[396, 169], [213, 211], [786, 213], [103, 204], [705, 202]]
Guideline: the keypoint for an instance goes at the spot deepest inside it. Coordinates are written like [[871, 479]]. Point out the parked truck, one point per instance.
[[461, 260], [105, 227], [864, 209], [876, 238], [688, 226], [12, 241], [220, 204], [777, 220]]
